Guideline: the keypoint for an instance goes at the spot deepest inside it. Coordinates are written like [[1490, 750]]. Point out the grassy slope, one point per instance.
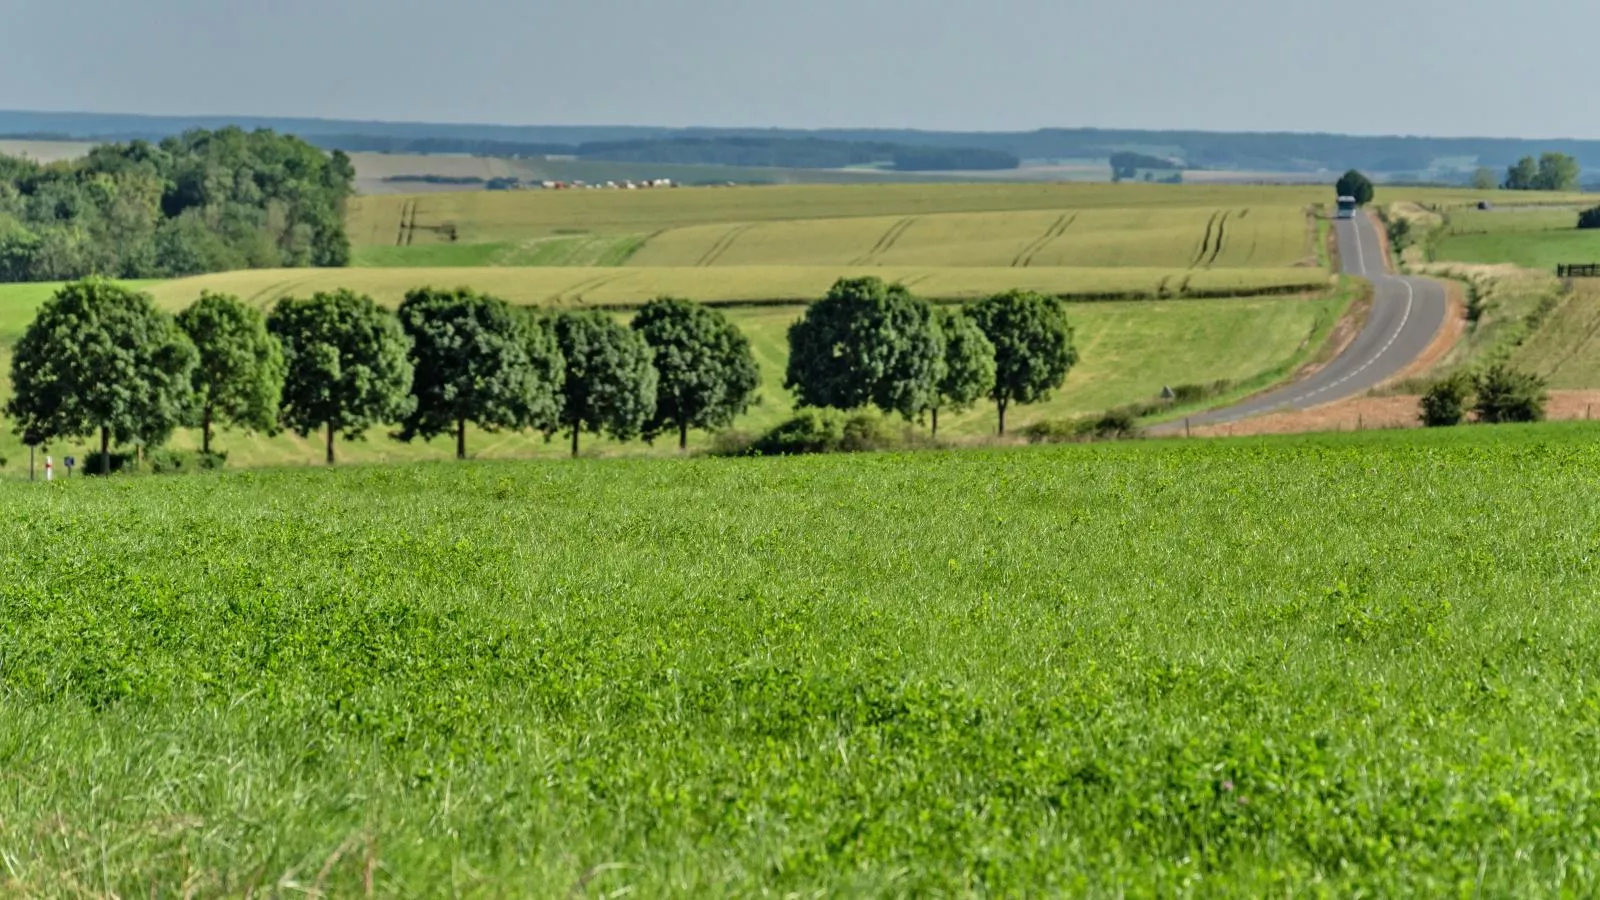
[[1566, 349], [1214, 667]]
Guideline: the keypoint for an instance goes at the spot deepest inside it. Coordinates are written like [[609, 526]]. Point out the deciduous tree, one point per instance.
[[1354, 184], [348, 365], [610, 384], [1524, 176], [1557, 172], [477, 360], [707, 374], [968, 373], [101, 357], [1033, 349], [239, 379], [866, 342]]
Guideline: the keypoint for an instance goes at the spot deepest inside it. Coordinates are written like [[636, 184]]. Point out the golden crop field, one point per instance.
[[571, 286], [1181, 237], [494, 216]]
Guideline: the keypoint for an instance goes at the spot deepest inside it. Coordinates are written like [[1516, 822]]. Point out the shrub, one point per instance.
[[1506, 395], [1445, 402], [1053, 431], [1589, 218], [1116, 424], [813, 430], [1121, 423]]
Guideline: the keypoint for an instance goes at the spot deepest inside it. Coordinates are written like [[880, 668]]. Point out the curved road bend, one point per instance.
[[1406, 314]]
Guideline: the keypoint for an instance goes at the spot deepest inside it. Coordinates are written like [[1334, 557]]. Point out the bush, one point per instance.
[[1445, 402], [1589, 218], [1506, 395], [1117, 424], [814, 430]]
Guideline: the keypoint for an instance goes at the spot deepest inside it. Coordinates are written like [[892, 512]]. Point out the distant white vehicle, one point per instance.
[[1347, 208]]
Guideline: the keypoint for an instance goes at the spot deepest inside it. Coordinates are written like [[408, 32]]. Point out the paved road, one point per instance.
[[1406, 314]]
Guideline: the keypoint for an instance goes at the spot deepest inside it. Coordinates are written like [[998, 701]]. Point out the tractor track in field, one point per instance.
[[1578, 348], [886, 241], [1222, 238], [408, 224], [574, 292], [724, 243], [1205, 242], [1056, 230]]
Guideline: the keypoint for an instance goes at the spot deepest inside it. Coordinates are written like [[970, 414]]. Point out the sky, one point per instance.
[[1430, 67]]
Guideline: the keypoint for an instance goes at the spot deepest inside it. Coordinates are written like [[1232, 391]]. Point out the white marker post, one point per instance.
[[49, 469]]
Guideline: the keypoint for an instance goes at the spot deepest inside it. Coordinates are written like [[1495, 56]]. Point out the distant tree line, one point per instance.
[[101, 361], [1256, 151], [201, 202], [743, 151], [1125, 166]]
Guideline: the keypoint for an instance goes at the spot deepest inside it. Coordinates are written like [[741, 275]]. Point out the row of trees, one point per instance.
[[871, 343], [205, 201], [101, 359]]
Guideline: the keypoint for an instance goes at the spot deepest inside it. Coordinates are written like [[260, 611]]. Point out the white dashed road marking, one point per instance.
[[1399, 329]]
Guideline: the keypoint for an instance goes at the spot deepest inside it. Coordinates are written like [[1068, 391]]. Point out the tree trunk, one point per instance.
[[330, 443], [461, 439], [205, 431], [574, 441], [105, 450], [683, 436], [1001, 404], [936, 421]]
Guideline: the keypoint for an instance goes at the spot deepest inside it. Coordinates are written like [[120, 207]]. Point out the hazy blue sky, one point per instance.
[[1445, 67]]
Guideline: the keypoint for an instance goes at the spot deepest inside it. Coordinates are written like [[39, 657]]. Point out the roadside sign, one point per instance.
[[70, 462]]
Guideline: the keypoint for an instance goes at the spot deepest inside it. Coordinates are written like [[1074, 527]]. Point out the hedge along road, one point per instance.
[[1407, 314]]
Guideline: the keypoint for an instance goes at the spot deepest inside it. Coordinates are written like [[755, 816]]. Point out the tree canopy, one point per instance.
[[1354, 184], [101, 357], [204, 201], [348, 365], [967, 375], [239, 378], [866, 342], [479, 360], [610, 384], [707, 374], [1033, 349], [1550, 172]]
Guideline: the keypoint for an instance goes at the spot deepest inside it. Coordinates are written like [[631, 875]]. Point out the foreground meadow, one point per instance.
[[1344, 666]]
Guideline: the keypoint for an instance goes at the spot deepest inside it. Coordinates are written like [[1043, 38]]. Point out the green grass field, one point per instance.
[[1355, 666], [1531, 238]]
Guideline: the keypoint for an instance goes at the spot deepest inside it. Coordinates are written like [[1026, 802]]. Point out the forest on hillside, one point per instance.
[[203, 201]]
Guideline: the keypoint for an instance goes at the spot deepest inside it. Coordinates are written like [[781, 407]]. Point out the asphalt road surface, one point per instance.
[[1406, 315]]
